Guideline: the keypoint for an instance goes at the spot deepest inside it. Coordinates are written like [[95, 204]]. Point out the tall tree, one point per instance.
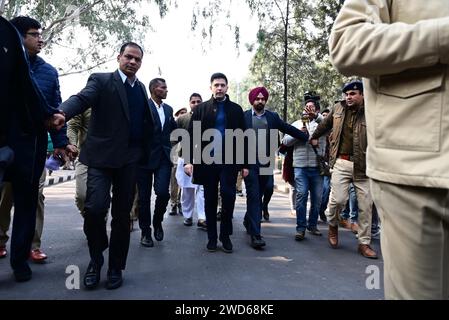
[[104, 25], [292, 55], [293, 58]]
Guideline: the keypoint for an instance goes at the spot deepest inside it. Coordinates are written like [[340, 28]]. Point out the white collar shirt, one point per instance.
[[160, 112], [124, 78]]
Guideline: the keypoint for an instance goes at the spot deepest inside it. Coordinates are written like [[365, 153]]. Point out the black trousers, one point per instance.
[[98, 200], [161, 188], [226, 175], [30, 151]]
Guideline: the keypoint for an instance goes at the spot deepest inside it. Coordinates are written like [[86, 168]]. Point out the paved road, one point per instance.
[[180, 268]]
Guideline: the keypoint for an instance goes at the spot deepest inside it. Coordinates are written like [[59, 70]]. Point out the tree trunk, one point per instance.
[[284, 113], [2, 7]]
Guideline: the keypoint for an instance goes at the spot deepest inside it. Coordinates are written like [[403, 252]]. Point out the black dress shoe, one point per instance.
[[257, 242], [23, 274], [173, 211], [158, 233], [226, 244], [92, 276], [266, 214], [146, 240], [114, 280], [212, 245]]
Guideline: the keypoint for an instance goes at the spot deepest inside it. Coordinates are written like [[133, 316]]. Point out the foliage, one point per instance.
[[293, 36], [106, 25], [308, 65]]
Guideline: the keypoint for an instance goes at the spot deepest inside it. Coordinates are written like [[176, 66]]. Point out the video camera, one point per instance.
[[311, 95]]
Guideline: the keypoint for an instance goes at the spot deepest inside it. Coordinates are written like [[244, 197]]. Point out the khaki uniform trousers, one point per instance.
[[6, 204], [414, 240], [239, 184], [80, 185], [175, 190], [342, 176]]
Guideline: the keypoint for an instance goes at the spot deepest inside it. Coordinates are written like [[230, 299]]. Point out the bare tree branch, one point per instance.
[[86, 69], [284, 22], [58, 25]]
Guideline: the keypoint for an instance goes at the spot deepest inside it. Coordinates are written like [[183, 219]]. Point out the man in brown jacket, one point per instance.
[[401, 48], [347, 157]]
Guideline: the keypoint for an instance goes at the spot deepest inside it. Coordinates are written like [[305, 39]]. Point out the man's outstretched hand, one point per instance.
[[72, 151], [56, 121]]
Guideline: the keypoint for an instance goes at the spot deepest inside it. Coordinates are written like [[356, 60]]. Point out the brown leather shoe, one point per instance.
[[344, 223], [366, 251], [354, 227], [332, 236], [3, 251], [37, 255]]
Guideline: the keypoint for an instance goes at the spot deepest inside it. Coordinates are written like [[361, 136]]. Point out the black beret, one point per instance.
[[354, 85]]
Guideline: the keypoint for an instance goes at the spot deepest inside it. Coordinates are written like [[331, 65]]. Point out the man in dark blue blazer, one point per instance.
[[158, 166], [118, 140], [262, 121]]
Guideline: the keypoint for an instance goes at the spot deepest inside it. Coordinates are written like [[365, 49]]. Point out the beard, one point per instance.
[[259, 107]]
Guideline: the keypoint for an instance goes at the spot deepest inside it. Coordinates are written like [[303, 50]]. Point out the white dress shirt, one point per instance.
[[160, 112], [124, 78]]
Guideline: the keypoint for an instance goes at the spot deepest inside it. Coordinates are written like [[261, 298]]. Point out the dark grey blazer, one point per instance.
[[107, 139]]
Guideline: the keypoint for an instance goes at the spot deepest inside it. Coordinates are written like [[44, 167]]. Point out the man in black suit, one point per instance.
[[25, 117], [219, 113], [257, 181], [158, 166], [118, 139]]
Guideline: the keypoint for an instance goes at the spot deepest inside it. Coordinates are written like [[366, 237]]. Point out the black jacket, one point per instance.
[[206, 113], [18, 91], [23, 108], [107, 142]]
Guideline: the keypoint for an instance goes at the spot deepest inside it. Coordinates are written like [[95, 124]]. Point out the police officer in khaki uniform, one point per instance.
[[401, 48]]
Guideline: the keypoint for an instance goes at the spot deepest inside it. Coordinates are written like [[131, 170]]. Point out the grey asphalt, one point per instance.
[[180, 268]]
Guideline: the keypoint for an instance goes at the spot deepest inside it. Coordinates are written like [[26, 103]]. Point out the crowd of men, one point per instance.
[[130, 144]]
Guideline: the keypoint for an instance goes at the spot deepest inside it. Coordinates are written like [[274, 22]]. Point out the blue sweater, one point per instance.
[[46, 78], [136, 103]]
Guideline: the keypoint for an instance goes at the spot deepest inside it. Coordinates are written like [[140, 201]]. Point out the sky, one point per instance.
[[175, 51]]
